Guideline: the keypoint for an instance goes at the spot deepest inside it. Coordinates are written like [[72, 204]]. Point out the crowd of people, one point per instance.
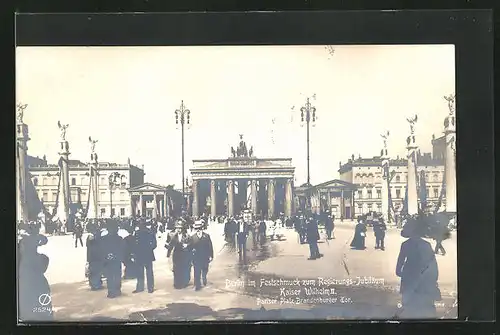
[[189, 246]]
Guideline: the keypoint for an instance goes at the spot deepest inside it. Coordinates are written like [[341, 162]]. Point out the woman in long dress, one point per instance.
[[358, 242], [418, 270], [178, 247]]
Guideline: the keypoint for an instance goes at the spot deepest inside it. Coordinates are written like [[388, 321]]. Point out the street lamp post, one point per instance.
[[308, 115], [182, 117], [115, 179]]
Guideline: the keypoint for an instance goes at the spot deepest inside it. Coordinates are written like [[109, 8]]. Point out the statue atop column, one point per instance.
[[62, 128], [451, 103], [20, 112], [384, 136], [412, 121], [92, 145]]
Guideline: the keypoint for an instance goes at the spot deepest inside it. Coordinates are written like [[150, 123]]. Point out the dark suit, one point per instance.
[[312, 239], [379, 229], [145, 244], [95, 258], [203, 253], [181, 258], [242, 230], [113, 249]]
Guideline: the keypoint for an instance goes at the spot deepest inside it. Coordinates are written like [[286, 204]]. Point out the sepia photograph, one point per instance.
[[209, 183]]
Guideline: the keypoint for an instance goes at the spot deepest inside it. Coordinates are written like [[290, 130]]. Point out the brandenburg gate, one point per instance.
[[242, 181]]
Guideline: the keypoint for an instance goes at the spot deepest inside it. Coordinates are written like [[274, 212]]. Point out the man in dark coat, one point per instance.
[[95, 257], [312, 236], [242, 234], [329, 226], [262, 229], [379, 229], [145, 244], [358, 242], [177, 246], [130, 266], [203, 254], [113, 249], [300, 227], [78, 233]]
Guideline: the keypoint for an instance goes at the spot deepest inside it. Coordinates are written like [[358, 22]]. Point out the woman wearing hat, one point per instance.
[[418, 270], [178, 246], [358, 242]]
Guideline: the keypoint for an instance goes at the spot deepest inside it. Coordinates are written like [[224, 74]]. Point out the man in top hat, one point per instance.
[[178, 246], [329, 225], [114, 251], [203, 254], [242, 234], [95, 257], [379, 229], [312, 239], [145, 244]]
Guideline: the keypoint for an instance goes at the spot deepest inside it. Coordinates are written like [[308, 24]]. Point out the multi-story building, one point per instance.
[[366, 174], [114, 199]]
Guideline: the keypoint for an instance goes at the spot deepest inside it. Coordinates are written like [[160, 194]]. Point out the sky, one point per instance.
[[125, 97]]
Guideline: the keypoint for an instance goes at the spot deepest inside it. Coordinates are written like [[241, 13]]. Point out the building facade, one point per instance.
[[114, 200], [227, 186], [334, 196], [366, 174]]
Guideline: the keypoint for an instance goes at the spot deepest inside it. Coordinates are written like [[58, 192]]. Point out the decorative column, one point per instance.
[[155, 206], [450, 154], [93, 206], [411, 183], [195, 198], [288, 198], [132, 206], [353, 212], [342, 204], [64, 198], [271, 198], [141, 204], [213, 198], [384, 193], [165, 205], [254, 196], [22, 170], [230, 198]]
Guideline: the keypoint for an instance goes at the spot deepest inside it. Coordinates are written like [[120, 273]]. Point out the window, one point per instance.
[[73, 181], [103, 211], [54, 196], [360, 194], [54, 181], [44, 181], [427, 192], [45, 196], [398, 194], [369, 194], [123, 196], [436, 193], [35, 181], [84, 196], [112, 212], [82, 181], [398, 179], [103, 181], [122, 211], [435, 177], [379, 207], [379, 194]]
